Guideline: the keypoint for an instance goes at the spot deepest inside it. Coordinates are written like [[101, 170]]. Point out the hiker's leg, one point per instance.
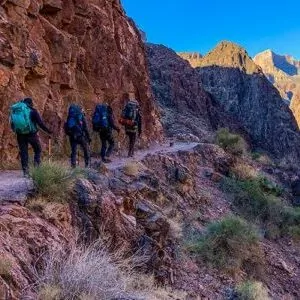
[[73, 144], [86, 152], [103, 138], [23, 150], [111, 146], [132, 138], [34, 141]]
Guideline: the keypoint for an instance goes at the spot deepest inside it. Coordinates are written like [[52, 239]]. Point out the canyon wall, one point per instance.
[[60, 52]]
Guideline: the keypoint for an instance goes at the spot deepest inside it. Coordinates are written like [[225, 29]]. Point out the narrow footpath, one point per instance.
[[14, 188]]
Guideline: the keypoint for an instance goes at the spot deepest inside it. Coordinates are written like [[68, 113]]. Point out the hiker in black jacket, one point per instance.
[[31, 138], [104, 124], [77, 130], [106, 136]]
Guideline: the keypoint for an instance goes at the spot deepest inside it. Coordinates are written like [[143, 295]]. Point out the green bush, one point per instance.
[[54, 181], [252, 290], [257, 201], [227, 244], [232, 143]]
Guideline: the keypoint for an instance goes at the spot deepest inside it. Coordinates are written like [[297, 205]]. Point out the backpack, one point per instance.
[[74, 124], [100, 117], [20, 118], [129, 114]]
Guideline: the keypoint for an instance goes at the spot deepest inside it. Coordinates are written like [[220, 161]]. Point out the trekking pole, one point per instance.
[[49, 149], [78, 158]]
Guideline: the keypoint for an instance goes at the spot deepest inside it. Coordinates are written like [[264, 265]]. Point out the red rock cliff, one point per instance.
[[59, 52]]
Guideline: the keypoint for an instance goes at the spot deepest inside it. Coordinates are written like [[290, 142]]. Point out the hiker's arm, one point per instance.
[[36, 118], [113, 123]]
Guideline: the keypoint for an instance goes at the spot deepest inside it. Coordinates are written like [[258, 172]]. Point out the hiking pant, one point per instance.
[[33, 140], [132, 140], [106, 137], [82, 142]]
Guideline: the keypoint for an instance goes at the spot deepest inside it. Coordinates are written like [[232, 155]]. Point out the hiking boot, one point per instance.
[[26, 174]]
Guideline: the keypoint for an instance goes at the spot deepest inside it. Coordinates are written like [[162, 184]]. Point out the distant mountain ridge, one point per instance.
[[284, 72], [239, 85]]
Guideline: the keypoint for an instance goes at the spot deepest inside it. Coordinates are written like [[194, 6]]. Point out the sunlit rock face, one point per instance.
[[59, 52]]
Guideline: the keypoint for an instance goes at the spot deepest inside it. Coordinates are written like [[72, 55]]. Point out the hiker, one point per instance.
[[132, 121], [25, 122], [104, 124], [77, 130]]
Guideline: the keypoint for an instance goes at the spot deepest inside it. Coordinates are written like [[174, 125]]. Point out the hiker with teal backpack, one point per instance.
[[77, 130], [104, 124], [132, 121], [25, 122]]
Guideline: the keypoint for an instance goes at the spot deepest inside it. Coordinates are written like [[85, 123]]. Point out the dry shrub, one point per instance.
[[230, 142], [49, 292], [5, 268], [153, 292], [176, 230], [133, 168], [252, 290], [92, 273], [243, 171], [262, 158]]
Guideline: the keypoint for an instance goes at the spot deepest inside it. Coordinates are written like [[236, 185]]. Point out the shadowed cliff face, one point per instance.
[[186, 108], [247, 95], [59, 52]]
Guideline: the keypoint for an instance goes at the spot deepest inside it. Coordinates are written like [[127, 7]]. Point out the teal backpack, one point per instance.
[[20, 119]]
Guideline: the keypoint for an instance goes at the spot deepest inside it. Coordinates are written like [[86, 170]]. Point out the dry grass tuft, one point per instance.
[[133, 168], [176, 230], [37, 204], [243, 171], [91, 273], [252, 290], [49, 292], [5, 268]]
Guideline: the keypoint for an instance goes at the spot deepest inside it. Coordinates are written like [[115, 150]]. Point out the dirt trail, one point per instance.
[[14, 187], [140, 155]]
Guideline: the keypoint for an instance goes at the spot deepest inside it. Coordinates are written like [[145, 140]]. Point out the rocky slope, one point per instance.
[[239, 85], [59, 52], [284, 73], [186, 108], [153, 205]]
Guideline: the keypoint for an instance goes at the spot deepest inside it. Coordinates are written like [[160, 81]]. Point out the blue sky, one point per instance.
[[198, 25]]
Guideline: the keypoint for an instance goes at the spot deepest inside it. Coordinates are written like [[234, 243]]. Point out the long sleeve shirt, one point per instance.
[[36, 119]]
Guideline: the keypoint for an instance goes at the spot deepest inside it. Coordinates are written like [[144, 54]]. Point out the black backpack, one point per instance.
[[130, 111]]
